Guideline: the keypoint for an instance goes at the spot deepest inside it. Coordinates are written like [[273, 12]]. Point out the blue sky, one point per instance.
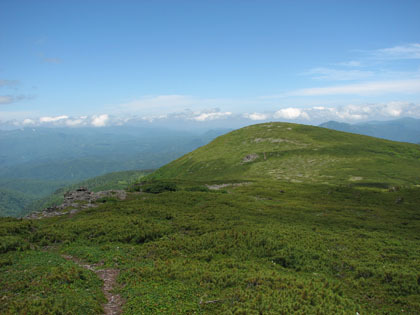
[[98, 63]]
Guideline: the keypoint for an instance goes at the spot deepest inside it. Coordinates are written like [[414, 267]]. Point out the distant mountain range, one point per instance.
[[404, 129], [34, 162]]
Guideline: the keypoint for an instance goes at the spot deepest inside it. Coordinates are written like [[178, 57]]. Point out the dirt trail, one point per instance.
[[109, 276]]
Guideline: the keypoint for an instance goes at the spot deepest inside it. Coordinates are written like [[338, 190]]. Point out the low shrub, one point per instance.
[[158, 187]]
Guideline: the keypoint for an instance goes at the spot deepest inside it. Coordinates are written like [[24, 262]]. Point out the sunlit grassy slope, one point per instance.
[[335, 240], [299, 153]]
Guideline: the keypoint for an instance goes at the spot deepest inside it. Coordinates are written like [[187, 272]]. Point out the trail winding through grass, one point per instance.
[[109, 277]]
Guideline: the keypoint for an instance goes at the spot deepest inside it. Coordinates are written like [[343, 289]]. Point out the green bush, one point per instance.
[[198, 188], [159, 187]]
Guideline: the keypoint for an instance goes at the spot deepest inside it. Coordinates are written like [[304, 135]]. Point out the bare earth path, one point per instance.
[[109, 276]]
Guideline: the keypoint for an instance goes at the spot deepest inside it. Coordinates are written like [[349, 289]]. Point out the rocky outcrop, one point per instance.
[[77, 200], [250, 158]]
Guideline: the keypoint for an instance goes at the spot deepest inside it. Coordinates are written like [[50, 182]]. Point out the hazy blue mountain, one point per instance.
[[75, 154], [34, 162], [404, 129]]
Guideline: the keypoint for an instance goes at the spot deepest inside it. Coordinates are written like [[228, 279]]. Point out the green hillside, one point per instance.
[[326, 223], [26, 196], [35, 162], [301, 154], [116, 180], [11, 200], [18, 195]]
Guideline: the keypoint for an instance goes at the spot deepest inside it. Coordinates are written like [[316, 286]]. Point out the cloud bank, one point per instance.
[[348, 113], [409, 51], [307, 115], [99, 121]]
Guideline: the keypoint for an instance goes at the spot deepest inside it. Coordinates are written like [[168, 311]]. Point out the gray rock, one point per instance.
[[250, 158], [78, 199]]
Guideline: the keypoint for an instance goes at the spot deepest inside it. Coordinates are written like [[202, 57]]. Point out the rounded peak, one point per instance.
[[297, 153]]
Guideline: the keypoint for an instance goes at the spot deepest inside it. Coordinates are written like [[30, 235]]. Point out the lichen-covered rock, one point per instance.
[[250, 158], [78, 199]]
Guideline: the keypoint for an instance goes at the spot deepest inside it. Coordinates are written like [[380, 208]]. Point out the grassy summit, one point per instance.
[[306, 221], [298, 153]]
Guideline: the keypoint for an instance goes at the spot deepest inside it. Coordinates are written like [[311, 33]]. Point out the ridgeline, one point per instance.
[[269, 219]]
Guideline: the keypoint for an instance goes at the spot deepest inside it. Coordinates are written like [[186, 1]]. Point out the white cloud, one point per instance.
[[187, 114], [66, 121], [211, 116], [350, 112], [256, 116], [321, 73], [347, 113], [75, 122], [48, 119], [393, 111], [28, 121], [204, 115], [366, 88], [315, 113], [290, 113], [151, 118], [409, 51], [100, 121], [398, 109]]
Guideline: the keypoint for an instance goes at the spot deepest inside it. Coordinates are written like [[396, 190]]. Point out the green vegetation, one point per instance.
[[154, 187], [36, 282], [301, 154], [11, 200], [35, 162], [18, 195], [258, 245], [16, 203], [116, 180]]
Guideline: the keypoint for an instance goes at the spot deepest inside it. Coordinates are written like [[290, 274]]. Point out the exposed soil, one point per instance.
[[109, 277], [220, 186]]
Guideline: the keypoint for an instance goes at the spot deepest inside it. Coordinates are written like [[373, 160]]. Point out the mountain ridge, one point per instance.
[[404, 129], [300, 153]]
